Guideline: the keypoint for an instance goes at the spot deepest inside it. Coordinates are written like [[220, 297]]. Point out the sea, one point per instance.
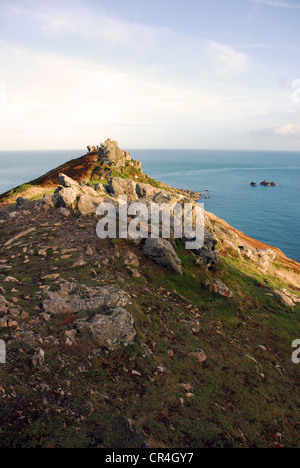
[[269, 214]]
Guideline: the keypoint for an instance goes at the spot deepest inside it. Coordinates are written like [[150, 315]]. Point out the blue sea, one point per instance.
[[269, 214]]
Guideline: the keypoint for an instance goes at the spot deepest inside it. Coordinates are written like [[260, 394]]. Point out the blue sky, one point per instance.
[[159, 74]]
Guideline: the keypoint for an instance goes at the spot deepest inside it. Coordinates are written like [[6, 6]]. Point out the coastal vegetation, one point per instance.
[[205, 359]]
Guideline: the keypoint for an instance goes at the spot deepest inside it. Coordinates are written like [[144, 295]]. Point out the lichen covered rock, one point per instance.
[[161, 252], [112, 330]]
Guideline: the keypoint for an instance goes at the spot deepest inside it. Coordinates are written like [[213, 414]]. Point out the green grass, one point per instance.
[[85, 397]]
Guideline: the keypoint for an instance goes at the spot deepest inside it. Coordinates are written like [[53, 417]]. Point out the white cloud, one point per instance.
[[277, 4], [286, 130], [227, 60]]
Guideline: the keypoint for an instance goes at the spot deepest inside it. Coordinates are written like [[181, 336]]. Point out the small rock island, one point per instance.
[[264, 183]]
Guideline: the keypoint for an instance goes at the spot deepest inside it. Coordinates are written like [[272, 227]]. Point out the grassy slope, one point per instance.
[[84, 397]]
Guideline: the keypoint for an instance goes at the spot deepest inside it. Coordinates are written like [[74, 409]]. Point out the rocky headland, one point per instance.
[[139, 342]]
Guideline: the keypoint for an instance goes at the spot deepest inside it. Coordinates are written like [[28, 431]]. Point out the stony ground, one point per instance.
[[202, 371]]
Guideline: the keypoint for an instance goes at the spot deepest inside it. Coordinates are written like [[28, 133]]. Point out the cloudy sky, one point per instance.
[[159, 74]]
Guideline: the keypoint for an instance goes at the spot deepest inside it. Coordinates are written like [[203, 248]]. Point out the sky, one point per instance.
[[209, 74]]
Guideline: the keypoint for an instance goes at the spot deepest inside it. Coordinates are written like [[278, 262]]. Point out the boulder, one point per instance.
[[88, 205], [208, 255], [254, 184], [71, 194], [146, 190], [48, 200], [65, 197], [112, 330], [160, 251], [288, 298], [67, 182], [71, 299], [221, 289], [118, 187]]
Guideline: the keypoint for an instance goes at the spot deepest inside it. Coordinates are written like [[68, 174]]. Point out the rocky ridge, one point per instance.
[[115, 318]]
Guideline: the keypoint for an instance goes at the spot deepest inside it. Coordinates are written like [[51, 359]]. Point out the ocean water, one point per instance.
[[269, 214]]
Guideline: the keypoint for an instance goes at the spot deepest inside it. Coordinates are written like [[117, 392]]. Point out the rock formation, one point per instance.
[[163, 253]]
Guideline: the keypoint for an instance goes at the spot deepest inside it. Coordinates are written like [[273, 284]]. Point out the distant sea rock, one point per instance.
[[266, 183], [253, 184]]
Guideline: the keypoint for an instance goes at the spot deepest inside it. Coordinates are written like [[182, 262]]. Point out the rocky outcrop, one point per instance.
[[220, 288], [112, 330], [87, 204], [254, 184], [71, 194], [208, 255], [288, 298], [161, 252], [107, 324], [73, 298], [111, 155], [231, 243], [118, 187], [266, 183], [146, 190]]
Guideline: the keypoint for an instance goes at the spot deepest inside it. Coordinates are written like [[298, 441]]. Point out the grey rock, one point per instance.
[[146, 190], [93, 149], [65, 197], [221, 289], [71, 194], [118, 186], [88, 205], [100, 189], [208, 255], [288, 298], [160, 251], [111, 331], [48, 201], [111, 155], [71, 300], [64, 212], [67, 182]]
